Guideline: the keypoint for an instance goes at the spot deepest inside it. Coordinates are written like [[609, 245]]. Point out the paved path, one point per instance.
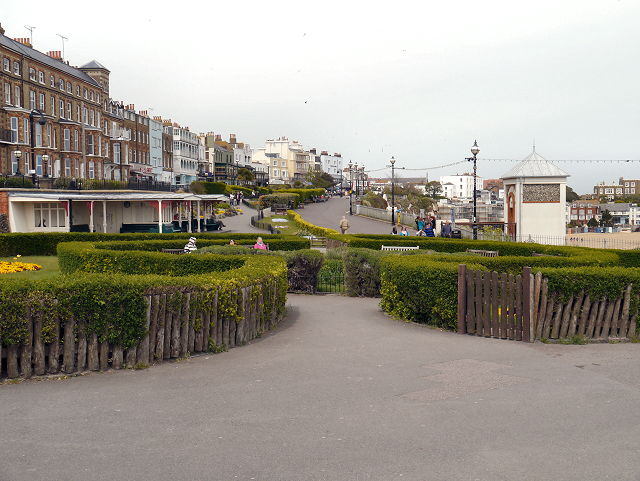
[[338, 391], [323, 214]]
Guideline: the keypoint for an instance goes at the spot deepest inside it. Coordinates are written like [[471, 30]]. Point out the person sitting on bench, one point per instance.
[[191, 246]]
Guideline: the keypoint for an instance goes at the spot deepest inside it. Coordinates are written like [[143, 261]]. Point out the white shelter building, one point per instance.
[[535, 203]]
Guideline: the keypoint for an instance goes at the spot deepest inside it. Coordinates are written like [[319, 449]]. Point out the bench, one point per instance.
[[250, 246], [318, 242], [173, 251], [279, 208], [399, 248], [139, 228], [484, 253]]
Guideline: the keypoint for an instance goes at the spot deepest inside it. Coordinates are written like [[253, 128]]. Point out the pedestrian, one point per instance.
[[260, 245], [394, 231], [420, 223], [344, 225], [404, 231], [432, 221], [191, 246], [446, 229]]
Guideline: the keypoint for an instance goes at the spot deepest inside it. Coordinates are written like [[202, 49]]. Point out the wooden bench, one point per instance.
[[173, 251], [147, 228], [484, 253], [399, 248], [318, 242], [279, 208], [251, 246]]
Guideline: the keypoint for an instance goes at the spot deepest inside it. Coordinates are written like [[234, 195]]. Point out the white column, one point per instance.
[[104, 216], [91, 216], [159, 216]]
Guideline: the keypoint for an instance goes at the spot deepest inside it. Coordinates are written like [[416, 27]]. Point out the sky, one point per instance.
[[419, 82]]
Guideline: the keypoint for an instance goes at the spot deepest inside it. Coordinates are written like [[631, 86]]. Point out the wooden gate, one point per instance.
[[496, 307]]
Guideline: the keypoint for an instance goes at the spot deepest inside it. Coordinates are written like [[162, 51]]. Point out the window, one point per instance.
[[53, 106], [14, 164], [85, 117], [78, 90], [69, 110], [39, 165], [61, 84], [38, 133], [49, 214], [90, 144], [14, 130], [16, 68], [91, 170], [93, 120], [7, 93], [284, 164], [25, 129], [62, 109], [7, 64], [52, 79], [32, 99], [92, 95], [86, 94], [78, 113], [32, 73], [276, 173], [55, 139], [41, 76], [67, 167], [67, 140], [17, 98], [75, 140], [42, 103], [116, 153], [69, 89]]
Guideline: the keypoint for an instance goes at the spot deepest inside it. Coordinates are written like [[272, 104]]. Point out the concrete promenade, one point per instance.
[[338, 391]]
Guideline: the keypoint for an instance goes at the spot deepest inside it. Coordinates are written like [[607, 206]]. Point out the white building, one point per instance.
[[459, 186], [332, 164], [188, 151], [535, 204], [155, 150]]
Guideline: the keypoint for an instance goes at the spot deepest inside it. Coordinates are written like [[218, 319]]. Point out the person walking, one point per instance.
[[344, 225]]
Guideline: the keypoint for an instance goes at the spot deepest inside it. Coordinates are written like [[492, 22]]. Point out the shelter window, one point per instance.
[[49, 214]]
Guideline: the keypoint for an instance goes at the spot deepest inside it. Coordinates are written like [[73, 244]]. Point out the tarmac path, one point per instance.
[[337, 391]]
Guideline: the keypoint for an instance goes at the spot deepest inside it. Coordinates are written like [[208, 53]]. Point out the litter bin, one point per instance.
[[456, 234]]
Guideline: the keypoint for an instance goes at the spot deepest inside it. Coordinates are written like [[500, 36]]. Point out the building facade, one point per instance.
[[624, 188], [459, 186]]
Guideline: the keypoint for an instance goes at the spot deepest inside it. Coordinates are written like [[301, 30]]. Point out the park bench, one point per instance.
[[173, 251], [399, 248], [250, 246], [146, 228], [279, 208], [318, 241], [484, 253]]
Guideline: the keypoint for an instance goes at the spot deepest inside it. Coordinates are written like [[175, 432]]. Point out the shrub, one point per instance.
[[303, 267]]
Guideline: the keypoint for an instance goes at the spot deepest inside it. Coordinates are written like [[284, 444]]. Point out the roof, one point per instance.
[[94, 65], [535, 166], [46, 60], [34, 195]]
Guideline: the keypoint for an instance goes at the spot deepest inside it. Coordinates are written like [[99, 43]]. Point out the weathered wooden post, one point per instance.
[[462, 298]]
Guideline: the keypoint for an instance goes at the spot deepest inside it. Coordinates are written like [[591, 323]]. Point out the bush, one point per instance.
[[362, 272], [303, 267], [18, 182], [272, 199]]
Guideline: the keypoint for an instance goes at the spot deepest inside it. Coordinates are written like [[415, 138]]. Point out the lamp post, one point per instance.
[[350, 188], [393, 163], [42, 122], [474, 150], [45, 160], [17, 154]]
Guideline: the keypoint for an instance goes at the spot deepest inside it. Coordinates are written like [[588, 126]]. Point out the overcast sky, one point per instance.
[[419, 82]]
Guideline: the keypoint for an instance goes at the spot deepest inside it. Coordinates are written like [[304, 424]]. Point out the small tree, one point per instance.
[[606, 219], [593, 222], [246, 176]]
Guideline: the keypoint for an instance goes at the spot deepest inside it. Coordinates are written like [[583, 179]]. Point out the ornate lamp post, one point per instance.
[[45, 160], [474, 150], [393, 163], [42, 122], [350, 188], [17, 154]]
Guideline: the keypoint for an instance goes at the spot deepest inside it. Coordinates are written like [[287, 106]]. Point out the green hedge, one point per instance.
[[304, 194], [309, 227], [269, 200], [46, 243], [113, 304]]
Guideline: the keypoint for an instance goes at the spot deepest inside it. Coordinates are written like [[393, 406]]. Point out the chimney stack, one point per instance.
[[24, 41], [55, 54]]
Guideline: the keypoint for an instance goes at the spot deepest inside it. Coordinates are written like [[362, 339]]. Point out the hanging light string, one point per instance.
[[499, 160]]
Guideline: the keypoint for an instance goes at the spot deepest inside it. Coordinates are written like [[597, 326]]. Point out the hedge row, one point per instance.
[[44, 244], [308, 227], [112, 304]]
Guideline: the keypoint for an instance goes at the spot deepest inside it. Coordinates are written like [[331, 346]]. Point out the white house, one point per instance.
[[459, 186]]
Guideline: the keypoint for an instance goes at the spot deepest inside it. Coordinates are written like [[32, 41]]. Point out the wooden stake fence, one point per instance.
[[521, 308], [171, 334]]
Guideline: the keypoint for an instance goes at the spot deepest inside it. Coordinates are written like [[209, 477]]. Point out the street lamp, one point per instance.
[[393, 163], [474, 150], [45, 159], [17, 154], [42, 122], [350, 188]]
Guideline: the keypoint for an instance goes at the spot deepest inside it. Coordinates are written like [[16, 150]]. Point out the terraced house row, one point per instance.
[[58, 121]]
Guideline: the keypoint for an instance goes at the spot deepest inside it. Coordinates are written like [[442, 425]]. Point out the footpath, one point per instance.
[[338, 391]]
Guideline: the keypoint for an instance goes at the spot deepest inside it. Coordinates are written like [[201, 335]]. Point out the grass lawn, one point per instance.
[[283, 224], [49, 266]]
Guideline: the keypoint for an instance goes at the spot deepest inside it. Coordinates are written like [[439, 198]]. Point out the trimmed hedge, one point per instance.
[[46, 243], [271, 199], [307, 226]]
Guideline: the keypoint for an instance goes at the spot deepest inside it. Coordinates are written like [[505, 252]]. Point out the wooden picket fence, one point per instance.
[[521, 308], [173, 332]]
